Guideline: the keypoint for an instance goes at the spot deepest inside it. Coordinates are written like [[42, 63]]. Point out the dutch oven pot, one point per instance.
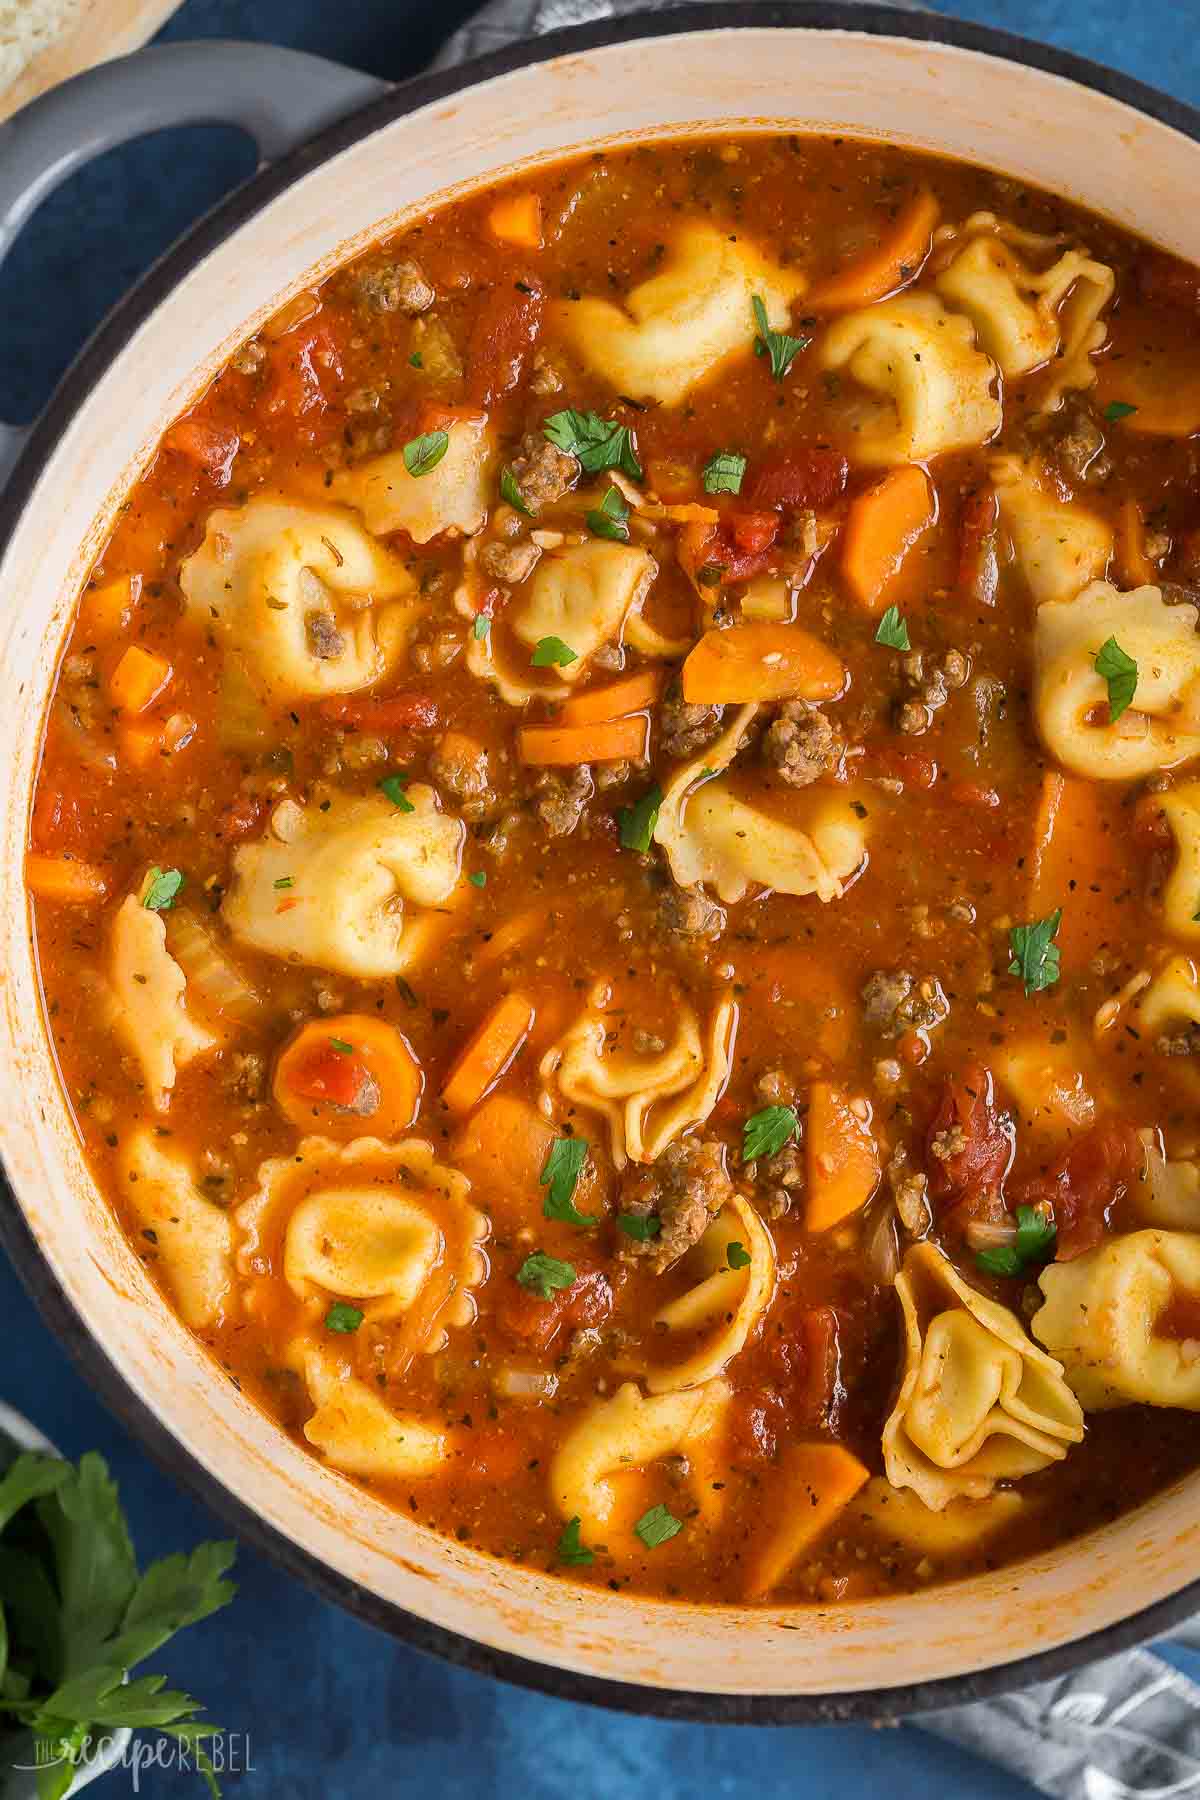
[[380, 154]]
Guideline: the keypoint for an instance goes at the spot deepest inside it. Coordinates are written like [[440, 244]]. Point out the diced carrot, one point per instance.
[[1079, 862], [502, 1148], [1133, 565], [891, 265], [66, 879], [843, 1158], [138, 679], [760, 662], [517, 219], [673, 482], [211, 447], [138, 745], [488, 1052], [396, 712], [610, 740], [351, 1075], [882, 527], [814, 1483], [633, 693], [106, 610]]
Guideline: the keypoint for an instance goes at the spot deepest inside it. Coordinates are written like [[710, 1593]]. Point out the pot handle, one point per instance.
[[280, 97]]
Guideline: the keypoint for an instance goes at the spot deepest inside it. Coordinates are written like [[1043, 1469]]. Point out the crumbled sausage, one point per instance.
[[395, 287], [611, 775], [559, 800], [686, 1189], [324, 639], [435, 647], [895, 1001], [687, 729], [1079, 447], [802, 744], [934, 683], [510, 563], [689, 912], [949, 1143], [910, 1193], [543, 473], [1181, 1043], [775, 1087], [544, 376], [462, 773], [246, 1076]]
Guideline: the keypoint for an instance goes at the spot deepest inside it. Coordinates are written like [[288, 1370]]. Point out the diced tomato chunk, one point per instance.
[[969, 1151], [738, 547], [241, 817], [756, 1422], [526, 1319], [396, 712], [496, 1455], [973, 793], [211, 447], [915, 768], [505, 330], [803, 1347], [1090, 1177], [329, 1074], [979, 547], [798, 478], [305, 367]]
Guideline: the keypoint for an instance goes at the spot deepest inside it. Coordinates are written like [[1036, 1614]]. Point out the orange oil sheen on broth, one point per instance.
[[552, 905]]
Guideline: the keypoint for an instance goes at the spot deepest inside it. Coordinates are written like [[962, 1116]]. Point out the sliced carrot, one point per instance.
[[138, 679], [610, 740], [488, 1053], [139, 744], [517, 219], [843, 1158], [1133, 565], [633, 693], [66, 879], [1079, 862], [891, 265], [813, 1483], [760, 662], [395, 712], [348, 1075], [882, 527]]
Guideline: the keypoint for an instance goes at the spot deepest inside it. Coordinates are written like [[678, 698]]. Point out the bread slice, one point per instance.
[[29, 27], [43, 42]]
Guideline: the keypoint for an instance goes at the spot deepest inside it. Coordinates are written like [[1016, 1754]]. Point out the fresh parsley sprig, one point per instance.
[[611, 518], [423, 454], [893, 631], [544, 1275], [560, 1178], [777, 345], [724, 473], [1034, 1242], [1120, 671], [765, 1133], [599, 444], [1034, 953], [637, 822]]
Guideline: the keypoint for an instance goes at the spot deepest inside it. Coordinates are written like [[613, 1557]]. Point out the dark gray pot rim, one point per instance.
[[167, 1451]]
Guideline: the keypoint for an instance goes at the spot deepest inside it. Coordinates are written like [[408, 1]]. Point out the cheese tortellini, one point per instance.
[[305, 601], [1070, 699], [730, 1300], [149, 1000], [899, 1516], [1181, 805], [1168, 1192], [453, 497], [1102, 1315], [599, 1472], [675, 328], [383, 1225], [192, 1236], [350, 888], [711, 835], [647, 1101], [1059, 548], [1170, 1000], [979, 1402], [934, 390], [357, 1433]]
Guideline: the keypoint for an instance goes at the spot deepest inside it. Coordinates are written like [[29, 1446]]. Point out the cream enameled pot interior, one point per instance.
[[1093, 149]]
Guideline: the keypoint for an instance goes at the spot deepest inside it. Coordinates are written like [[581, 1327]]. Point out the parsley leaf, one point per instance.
[[641, 1227], [1003, 1260], [737, 1256], [342, 1047], [611, 518], [162, 887], [552, 653], [570, 1551], [598, 443], [723, 473], [416, 360], [893, 631], [341, 1317], [1118, 409], [543, 1275], [1120, 672], [481, 626], [478, 878], [423, 454], [560, 1177], [393, 787], [1034, 952], [765, 1133], [781, 349], [511, 492], [285, 881], [1034, 1243], [658, 1526], [637, 822]]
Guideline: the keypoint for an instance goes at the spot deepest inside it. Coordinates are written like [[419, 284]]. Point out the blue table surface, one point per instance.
[[329, 1707]]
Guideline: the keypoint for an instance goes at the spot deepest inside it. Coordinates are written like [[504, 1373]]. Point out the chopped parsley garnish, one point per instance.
[[765, 1133], [481, 626], [657, 1527], [641, 1227], [893, 631], [1118, 409], [341, 1317], [393, 787], [1034, 952], [511, 492], [416, 360], [162, 887], [637, 822], [570, 1551], [782, 349], [723, 473], [552, 653], [611, 518], [342, 1047], [423, 454], [478, 878], [1035, 1239], [710, 575], [543, 1275], [286, 881], [1120, 672], [737, 1256], [560, 1177], [598, 443]]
